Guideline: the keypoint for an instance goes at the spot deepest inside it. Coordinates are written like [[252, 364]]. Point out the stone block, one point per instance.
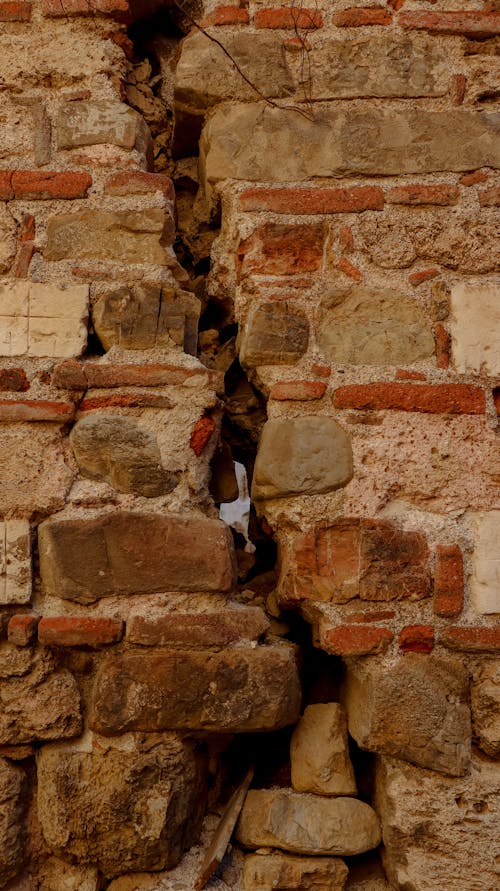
[[93, 123], [133, 553], [485, 579], [15, 562], [118, 451], [485, 703], [370, 326], [439, 832], [307, 824], [8, 240], [475, 327], [284, 872], [239, 690], [128, 236], [13, 802], [416, 709], [301, 456], [282, 249], [274, 334], [57, 875], [142, 805], [34, 478], [319, 752], [43, 319]]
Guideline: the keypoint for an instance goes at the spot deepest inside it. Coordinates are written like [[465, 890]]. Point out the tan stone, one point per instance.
[[126, 235], [43, 319], [439, 832], [274, 334], [50, 58], [8, 241], [34, 478], [475, 327], [319, 752], [239, 690], [301, 456], [15, 562], [485, 704], [307, 824], [416, 709], [142, 806], [57, 875], [12, 807], [270, 871], [105, 121], [370, 326], [485, 578]]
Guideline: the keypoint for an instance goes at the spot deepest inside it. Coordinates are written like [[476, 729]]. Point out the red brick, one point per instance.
[[14, 379], [346, 239], [22, 629], [74, 375], [443, 346], [298, 390], [201, 434], [458, 86], [490, 197], [35, 410], [225, 15], [44, 184], [213, 629], [349, 269], [297, 44], [424, 275], [359, 16], [127, 400], [312, 201], [471, 179], [448, 582], [64, 8], [139, 183], [416, 639], [321, 370], [396, 4], [23, 259], [469, 23], [472, 640], [433, 398], [15, 11], [288, 18], [406, 374], [78, 631], [441, 195], [6, 192], [27, 231], [283, 250], [124, 42], [356, 640]]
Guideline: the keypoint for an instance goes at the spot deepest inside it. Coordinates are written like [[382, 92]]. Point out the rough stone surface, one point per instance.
[[439, 832], [475, 327], [236, 691], [127, 235], [8, 230], [485, 578], [15, 562], [34, 478], [307, 824], [133, 553], [57, 875], [12, 807], [91, 123], [284, 872], [142, 806], [197, 630], [120, 452], [367, 326], [301, 456], [319, 752], [416, 710], [43, 319], [485, 704], [275, 334]]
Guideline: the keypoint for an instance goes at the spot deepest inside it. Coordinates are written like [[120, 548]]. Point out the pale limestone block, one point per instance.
[[485, 578], [475, 326], [58, 302], [319, 752], [15, 562], [43, 319], [13, 318]]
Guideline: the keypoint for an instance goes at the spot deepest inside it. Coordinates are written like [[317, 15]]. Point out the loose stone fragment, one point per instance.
[[485, 703], [301, 456], [12, 808], [319, 752], [284, 872], [274, 335], [307, 824]]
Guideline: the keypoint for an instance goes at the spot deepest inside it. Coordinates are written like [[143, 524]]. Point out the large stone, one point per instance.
[[34, 478], [485, 578], [8, 240], [274, 334], [130, 236], [142, 806], [15, 562], [239, 690], [57, 875], [307, 824], [105, 121], [250, 142], [43, 319], [475, 327], [440, 832], [37, 702], [284, 872], [12, 807], [129, 553], [485, 704], [416, 709], [319, 752], [120, 452], [371, 326], [301, 456]]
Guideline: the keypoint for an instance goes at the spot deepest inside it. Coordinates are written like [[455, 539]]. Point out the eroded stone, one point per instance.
[[274, 335], [485, 704], [15, 562], [91, 123], [319, 752], [284, 872], [12, 808], [127, 235], [8, 240]]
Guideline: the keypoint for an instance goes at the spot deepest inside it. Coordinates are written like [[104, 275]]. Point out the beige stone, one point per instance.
[[485, 579], [34, 478], [142, 806], [12, 806], [8, 241], [43, 319], [485, 704], [301, 456], [105, 121], [273, 870], [57, 875], [319, 752], [274, 334], [126, 235], [416, 709], [440, 832], [370, 326], [307, 824], [15, 562], [475, 327]]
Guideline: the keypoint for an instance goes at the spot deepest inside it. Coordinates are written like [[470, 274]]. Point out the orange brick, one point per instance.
[[35, 410], [448, 581], [288, 18], [225, 15], [423, 275], [490, 197], [406, 374], [443, 346], [298, 390], [139, 183], [470, 23], [312, 201], [44, 184], [128, 400], [433, 398], [21, 629], [15, 11], [201, 434], [75, 631], [416, 639], [441, 195], [349, 269], [359, 16], [471, 179], [275, 249], [472, 640], [356, 640]]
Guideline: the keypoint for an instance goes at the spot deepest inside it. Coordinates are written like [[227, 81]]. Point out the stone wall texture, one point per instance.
[[265, 232]]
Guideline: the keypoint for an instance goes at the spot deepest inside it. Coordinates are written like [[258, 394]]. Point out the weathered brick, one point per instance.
[[359, 16], [12, 410], [424, 275], [434, 398], [472, 179], [201, 435], [448, 581], [46, 184], [23, 259], [416, 639], [470, 23], [407, 374], [356, 640], [22, 629], [349, 269], [287, 18], [15, 11], [225, 15], [139, 183], [197, 630], [471, 640], [440, 195], [73, 375], [297, 390], [458, 87], [78, 631], [313, 200], [278, 249], [126, 400], [14, 379], [443, 346], [490, 197]]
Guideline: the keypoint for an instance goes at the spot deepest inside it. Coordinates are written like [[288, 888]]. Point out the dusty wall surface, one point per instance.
[[264, 232]]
